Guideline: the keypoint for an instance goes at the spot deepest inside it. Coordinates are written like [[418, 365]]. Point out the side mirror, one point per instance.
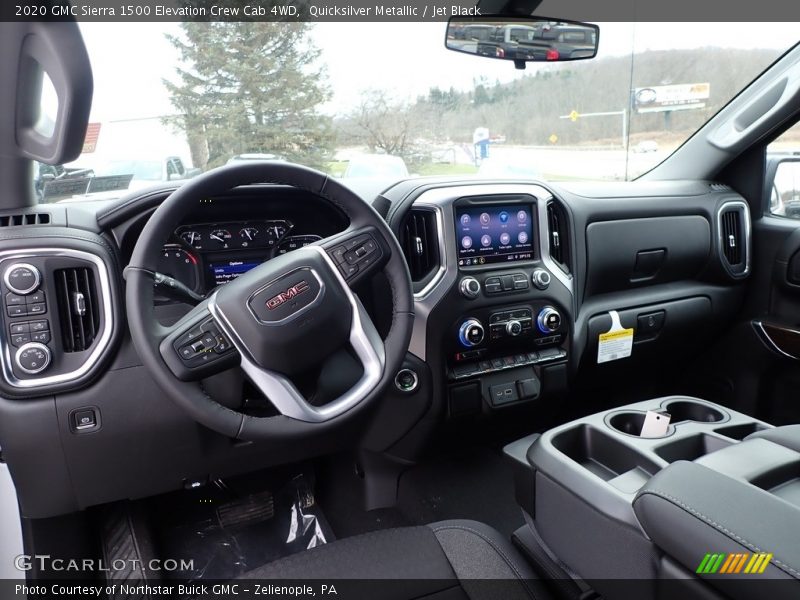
[[522, 39], [783, 186]]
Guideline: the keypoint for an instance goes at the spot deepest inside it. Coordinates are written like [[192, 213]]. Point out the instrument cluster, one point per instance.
[[205, 255]]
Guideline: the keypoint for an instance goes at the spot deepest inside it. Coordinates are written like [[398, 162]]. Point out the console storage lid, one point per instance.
[[689, 510]]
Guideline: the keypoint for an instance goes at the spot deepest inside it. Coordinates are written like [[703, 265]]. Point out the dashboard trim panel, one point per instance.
[[103, 340]]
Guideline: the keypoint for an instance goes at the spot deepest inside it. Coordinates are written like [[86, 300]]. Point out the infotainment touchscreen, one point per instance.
[[494, 233]]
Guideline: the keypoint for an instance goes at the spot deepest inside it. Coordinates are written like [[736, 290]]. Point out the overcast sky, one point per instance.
[[130, 60]]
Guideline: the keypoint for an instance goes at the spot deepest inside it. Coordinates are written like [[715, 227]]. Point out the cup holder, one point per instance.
[[629, 423], [684, 410]]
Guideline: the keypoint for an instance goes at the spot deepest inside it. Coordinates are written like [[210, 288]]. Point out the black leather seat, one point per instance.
[[447, 560]]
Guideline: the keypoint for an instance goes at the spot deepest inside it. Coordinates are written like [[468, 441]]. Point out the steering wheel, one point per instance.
[[278, 320]]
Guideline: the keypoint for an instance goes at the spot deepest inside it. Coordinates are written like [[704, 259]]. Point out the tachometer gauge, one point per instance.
[[220, 236], [297, 241], [192, 238], [179, 264]]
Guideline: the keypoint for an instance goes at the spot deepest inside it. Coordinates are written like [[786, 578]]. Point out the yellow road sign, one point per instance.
[[573, 116], [553, 138]]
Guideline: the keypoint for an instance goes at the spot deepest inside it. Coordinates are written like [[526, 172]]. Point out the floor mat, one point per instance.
[[473, 484], [229, 528]]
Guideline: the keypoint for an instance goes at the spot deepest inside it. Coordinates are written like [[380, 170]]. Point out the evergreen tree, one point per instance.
[[251, 87]]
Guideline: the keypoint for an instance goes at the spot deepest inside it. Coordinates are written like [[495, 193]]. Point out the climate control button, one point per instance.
[[513, 328], [549, 320], [471, 333], [32, 358]]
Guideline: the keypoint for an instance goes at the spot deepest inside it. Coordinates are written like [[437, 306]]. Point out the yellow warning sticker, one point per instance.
[[616, 343]]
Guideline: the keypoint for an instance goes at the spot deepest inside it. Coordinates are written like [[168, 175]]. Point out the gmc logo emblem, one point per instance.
[[284, 297]]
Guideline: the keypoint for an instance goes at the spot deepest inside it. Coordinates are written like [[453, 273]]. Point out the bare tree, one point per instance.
[[384, 125]]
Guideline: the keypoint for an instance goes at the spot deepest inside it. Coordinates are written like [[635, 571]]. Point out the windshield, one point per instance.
[[147, 170], [335, 97]]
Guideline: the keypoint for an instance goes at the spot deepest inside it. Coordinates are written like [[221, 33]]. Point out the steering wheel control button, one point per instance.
[[356, 255], [22, 278], [549, 320], [32, 358], [470, 288], [406, 381], [541, 279], [471, 333]]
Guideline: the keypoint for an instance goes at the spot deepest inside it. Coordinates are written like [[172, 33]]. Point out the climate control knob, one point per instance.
[[470, 288], [22, 278], [513, 328], [471, 333], [541, 279], [549, 320], [32, 358]]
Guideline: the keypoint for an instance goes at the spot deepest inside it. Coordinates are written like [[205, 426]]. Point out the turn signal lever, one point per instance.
[[170, 287]]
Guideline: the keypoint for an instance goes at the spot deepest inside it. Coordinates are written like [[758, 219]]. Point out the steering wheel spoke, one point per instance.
[[357, 253], [195, 347], [287, 399]]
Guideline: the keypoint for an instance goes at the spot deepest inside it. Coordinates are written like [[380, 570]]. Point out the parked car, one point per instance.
[[645, 146], [376, 166], [146, 171], [248, 156], [495, 167]]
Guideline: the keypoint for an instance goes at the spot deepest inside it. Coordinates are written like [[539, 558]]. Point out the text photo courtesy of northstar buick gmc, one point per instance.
[[510, 311]]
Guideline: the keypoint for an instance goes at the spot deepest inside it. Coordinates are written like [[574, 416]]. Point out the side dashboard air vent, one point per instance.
[[719, 187], [78, 307], [734, 241], [25, 219], [419, 239], [558, 234]]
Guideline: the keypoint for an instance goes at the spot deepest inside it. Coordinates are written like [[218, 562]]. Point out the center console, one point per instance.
[[508, 310], [612, 504]]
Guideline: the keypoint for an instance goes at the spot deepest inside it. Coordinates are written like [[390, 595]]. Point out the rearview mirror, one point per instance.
[[522, 39]]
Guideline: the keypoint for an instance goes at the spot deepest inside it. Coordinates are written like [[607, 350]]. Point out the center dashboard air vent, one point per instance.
[[78, 307], [419, 238], [734, 239], [558, 235], [20, 220]]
